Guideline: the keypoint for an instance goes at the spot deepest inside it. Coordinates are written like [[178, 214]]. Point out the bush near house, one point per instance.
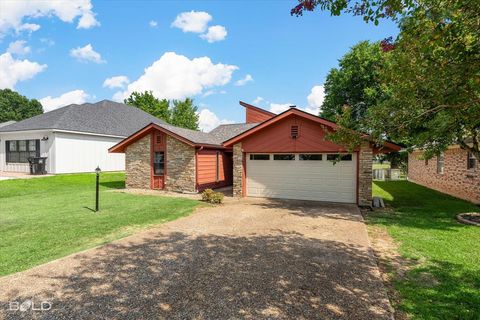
[[211, 196]]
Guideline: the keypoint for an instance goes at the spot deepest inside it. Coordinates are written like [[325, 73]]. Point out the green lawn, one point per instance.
[[47, 218], [445, 281]]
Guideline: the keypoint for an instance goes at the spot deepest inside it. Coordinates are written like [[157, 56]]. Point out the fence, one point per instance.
[[387, 174]]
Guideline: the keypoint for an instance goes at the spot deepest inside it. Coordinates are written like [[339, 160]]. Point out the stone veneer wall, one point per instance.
[[137, 164], [456, 179], [365, 174], [180, 166], [237, 170]]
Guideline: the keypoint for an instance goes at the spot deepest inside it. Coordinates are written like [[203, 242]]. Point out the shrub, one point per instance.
[[211, 196]]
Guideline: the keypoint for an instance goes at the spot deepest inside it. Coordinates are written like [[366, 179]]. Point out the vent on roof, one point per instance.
[[294, 131]]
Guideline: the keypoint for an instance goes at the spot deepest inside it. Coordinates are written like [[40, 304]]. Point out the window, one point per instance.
[[441, 163], [471, 161], [217, 176], [158, 163], [310, 157], [259, 157], [283, 157], [294, 131], [18, 151], [339, 157], [158, 139]]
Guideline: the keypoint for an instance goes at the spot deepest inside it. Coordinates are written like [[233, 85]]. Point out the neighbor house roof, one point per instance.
[[3, 124], [104, 117]]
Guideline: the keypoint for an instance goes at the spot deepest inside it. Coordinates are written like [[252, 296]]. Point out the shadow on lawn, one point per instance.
[[117, 184], [442, 290], [177, 276], [419, 207]]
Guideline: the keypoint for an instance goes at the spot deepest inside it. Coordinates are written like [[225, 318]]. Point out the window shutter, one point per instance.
[[7, 151], [37, 148]]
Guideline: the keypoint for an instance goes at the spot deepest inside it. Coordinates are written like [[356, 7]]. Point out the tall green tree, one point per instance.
[[432, 79], [355, 83], [14, 106], [184, 114], [147, 102]]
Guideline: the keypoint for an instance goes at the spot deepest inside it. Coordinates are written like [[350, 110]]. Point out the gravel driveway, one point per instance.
[[248, 259]]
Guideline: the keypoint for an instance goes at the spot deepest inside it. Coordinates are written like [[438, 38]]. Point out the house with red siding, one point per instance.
[[275, 156]]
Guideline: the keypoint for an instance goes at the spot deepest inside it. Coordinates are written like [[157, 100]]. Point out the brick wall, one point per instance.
[[237, 170], [365, 159], [180, 166], [137, 164], [456, 180]]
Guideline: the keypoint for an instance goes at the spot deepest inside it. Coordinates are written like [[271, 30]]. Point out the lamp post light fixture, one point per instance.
[[97, 171]]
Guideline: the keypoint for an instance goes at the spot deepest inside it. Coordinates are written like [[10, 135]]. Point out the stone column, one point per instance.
[[237, 170], [365, 174], [180, 166], [137, 164]]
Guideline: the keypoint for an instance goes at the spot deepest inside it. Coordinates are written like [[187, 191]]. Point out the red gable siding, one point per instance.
[[277, 138], [255, 116]]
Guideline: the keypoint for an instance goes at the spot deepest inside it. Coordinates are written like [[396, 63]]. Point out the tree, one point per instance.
[[147, 102], [14, 106], [370, 10], [184, 114], [432, 80], [430, 76], [355, 83]]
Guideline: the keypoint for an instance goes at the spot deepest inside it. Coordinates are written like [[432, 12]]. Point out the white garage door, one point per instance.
[[318, 177]]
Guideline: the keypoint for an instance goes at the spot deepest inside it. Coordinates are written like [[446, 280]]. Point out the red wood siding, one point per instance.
[[158, 144], [256, 116], [207, 169], [277, 138]]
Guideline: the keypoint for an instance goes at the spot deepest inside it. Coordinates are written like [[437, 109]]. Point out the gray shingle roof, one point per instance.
[[214, 137], [3, 124], [104, 117]]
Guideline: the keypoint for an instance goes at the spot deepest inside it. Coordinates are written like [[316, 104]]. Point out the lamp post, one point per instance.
[[97, 171]]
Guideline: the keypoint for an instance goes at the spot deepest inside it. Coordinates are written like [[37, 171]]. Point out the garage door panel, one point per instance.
[[319, 180]]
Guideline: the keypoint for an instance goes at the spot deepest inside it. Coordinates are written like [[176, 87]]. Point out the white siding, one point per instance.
[[83, 153], [46, 148], [305, 180]]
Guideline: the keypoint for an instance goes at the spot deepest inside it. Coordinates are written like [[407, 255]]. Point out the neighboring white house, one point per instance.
[[75, 138]]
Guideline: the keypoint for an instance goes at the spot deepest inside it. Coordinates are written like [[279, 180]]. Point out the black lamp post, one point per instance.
[[97, 171]]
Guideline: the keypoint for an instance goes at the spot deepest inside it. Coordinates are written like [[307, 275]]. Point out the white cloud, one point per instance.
[[207, 120], [19, 47], [47, 41], [116, 82], [279, 107], [315, 99], [86, 54], [248, 78], [212, 92], [175, 76], [15, 70], [13, 13], [76, 96], [193, 21], [258, 100], [153, 23], [215, 33]]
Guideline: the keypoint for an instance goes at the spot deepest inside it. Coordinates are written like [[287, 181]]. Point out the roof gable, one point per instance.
[[255, 114]]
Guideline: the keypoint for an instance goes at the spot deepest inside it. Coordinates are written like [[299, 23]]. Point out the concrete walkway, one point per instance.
[[248, 259]]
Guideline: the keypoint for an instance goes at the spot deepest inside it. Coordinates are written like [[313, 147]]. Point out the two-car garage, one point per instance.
[[305, 176]]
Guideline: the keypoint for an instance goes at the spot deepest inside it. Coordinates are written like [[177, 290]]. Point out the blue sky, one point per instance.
[[44, 52]]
